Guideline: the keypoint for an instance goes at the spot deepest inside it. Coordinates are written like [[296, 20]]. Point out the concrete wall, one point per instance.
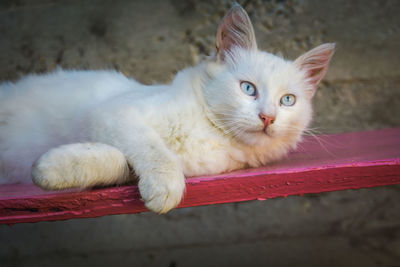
[[151, 41]]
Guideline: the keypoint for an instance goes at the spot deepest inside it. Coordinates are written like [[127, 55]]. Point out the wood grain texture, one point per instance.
[[334, 162]]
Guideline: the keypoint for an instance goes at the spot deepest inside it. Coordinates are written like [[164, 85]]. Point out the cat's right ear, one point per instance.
[[235, 29]]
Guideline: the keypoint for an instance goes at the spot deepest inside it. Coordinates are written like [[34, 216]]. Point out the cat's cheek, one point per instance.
[[303, 114]]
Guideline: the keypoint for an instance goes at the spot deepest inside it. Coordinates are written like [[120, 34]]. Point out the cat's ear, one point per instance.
[[315, 64], [235, 29]]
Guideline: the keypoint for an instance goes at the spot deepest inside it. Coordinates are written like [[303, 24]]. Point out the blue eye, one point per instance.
[[248, 88], [288, 100]]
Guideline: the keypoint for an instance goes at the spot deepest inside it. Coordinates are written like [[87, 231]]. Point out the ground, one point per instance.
[[151, 41]]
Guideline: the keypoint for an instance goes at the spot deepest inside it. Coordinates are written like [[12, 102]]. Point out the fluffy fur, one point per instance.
[[87, 128]]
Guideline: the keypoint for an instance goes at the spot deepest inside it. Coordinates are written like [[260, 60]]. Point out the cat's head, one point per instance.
[[255, 96]]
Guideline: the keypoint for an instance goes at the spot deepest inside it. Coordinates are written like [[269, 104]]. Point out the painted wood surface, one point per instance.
[[334, 162]]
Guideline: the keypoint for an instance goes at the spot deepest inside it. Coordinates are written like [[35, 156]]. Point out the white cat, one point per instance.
[[242, 108]]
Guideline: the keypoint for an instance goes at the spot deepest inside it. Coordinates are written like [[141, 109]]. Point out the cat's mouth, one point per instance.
[[268, 131], [262, 131]]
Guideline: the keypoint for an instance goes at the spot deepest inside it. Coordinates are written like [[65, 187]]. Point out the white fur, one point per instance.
[[200, 124], [77, 164]]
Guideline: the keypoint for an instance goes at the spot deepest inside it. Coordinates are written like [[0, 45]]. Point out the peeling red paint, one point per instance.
[[348, 161]]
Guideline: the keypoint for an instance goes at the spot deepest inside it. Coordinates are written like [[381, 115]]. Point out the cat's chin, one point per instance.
[[255, 138]]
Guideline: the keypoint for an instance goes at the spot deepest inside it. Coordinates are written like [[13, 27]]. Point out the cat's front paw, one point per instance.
[[162, 192]]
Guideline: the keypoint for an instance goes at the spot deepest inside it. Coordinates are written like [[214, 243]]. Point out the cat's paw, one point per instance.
[[80, 165], [162, 192], [51, 171], [47, 175]]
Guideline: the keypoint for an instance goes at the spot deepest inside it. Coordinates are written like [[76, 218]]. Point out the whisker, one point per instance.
[[310, 132]]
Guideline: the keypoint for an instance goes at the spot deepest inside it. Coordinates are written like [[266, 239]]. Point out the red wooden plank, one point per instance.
[[343, 161]]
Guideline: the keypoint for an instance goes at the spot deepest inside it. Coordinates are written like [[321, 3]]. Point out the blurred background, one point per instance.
[[151, 41]]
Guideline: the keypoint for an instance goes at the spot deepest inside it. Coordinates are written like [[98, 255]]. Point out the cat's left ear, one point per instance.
[[235, 29], [315, 64]]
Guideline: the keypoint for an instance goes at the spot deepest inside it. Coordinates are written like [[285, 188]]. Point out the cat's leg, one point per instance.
[[161, 179], [80, 165]]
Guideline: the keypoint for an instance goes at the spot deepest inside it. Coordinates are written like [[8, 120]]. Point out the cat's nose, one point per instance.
[[267, 120]]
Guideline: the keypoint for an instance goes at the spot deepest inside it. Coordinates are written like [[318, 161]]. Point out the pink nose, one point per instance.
[[267, 120]]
